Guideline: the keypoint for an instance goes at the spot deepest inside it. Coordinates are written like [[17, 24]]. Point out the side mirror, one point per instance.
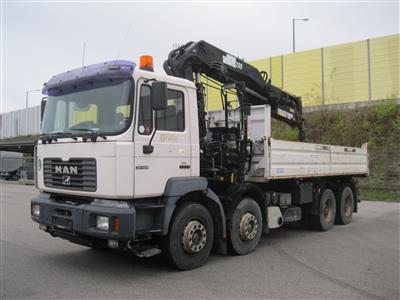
[[42, 106], [159, 95]]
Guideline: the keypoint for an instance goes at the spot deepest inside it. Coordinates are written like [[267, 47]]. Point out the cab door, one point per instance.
[[172, 146]]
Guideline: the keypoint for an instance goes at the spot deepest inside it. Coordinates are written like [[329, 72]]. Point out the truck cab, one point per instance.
[[93, 134]]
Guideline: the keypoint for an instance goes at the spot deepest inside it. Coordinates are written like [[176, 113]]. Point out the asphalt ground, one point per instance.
[[360, 260]]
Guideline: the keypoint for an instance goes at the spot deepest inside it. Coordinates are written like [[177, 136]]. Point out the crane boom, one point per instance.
[[253, 86]]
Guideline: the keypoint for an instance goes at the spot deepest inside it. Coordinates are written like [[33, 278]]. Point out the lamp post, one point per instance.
[[26, 108], [294, 31]]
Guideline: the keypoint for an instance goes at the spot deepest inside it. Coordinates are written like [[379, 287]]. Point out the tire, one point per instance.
[[327, 211], [245, 227], [190, 238], [345, 205]]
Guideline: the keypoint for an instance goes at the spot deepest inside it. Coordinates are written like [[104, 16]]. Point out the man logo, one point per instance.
[[66, 180], [71, 170]]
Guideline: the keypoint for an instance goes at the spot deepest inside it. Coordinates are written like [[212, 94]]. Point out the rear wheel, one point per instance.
[[246, 227], [190, 237], [345, 206], [327, 211]]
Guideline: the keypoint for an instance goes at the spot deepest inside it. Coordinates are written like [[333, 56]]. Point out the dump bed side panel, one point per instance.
[[294, 159], [277, 159]]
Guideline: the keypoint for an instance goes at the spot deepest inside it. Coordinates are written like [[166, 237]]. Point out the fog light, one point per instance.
[[112, 243], [102, 222], [35, 210], [43, 227]]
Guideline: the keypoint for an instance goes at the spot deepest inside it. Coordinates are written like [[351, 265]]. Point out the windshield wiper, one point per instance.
[[49, 137], [92, 134], [46, 138], [62, 134]]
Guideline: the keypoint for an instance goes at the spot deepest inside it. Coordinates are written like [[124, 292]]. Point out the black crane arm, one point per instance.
[[195, 58]]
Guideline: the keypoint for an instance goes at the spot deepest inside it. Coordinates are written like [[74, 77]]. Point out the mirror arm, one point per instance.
[[159, 96], [148, 149], [149, 80]]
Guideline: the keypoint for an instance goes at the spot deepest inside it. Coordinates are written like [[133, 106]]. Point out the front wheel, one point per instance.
[[190, 237], [246, 227]]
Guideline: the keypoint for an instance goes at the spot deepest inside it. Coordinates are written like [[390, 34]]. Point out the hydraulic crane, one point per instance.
[[252, 87]]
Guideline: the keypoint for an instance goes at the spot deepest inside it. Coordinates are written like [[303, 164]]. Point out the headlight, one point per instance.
[[102, 223], [35, 210]]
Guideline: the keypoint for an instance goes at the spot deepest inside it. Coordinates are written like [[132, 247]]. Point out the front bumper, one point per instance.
[[72, 219]]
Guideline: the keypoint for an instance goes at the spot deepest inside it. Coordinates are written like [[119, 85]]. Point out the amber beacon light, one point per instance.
[[146, 63]]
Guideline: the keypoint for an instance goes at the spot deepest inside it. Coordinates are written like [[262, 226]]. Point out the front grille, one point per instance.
[[74, 174]]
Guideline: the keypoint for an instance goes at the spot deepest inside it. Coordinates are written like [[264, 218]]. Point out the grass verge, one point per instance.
[[377, 195]]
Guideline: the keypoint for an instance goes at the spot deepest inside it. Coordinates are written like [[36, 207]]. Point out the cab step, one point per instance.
[[140, 252], [148, 252]]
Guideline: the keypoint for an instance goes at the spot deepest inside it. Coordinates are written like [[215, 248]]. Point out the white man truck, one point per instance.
[[130, 159]]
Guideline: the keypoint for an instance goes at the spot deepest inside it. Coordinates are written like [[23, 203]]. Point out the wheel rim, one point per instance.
[[348, 206], [328, 211], [248, 227], [194, 237]]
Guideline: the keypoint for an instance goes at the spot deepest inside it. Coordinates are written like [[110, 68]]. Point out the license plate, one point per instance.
[[61, 223]]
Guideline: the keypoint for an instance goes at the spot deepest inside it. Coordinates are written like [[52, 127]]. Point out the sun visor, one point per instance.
[[107, 73]]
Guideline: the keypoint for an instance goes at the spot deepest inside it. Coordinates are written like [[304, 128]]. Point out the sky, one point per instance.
[[41, 39]]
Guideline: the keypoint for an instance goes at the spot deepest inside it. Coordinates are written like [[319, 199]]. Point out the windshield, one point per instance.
[[103, 110]]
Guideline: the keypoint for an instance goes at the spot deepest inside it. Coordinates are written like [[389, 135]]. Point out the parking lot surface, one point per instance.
[[360, 260]]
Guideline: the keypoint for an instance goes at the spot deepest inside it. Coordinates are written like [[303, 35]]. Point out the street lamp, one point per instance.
[[26, 108], [294, 31]]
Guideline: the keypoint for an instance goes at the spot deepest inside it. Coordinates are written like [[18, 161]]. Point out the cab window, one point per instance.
[[170, 119], [145, 119]]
